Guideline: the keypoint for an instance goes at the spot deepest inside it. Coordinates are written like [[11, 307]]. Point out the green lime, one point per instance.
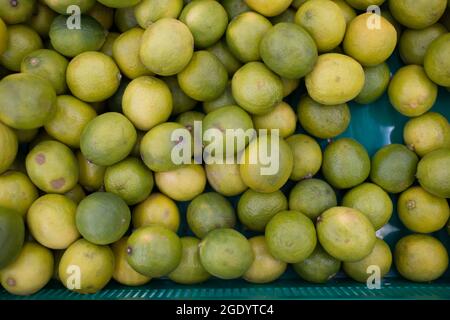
[[11, 236], [225, 178], [346, 234], [287, 16], [62, 6], [376, 82], [417, 14], [89, 86], [13, 12], [324, 21], [265, 267], [291, 236], [436, 64], [125, 19], [157, 209], [288, 50], [226, 254], [411, 92], [421, 211], [256, 89], [433, 172], [103, 218], [130, 179], [225, 99], [183, 183], [244, 34], [312, 197], [269, 8], [307, 156], [91, 175], [150, 11], [379, 260], [154, 251], [235, 7], [394, 168], [69, 120], [190, 269], [207, 21], [223, 53], [147, 102], [208, 212], [335, 79], [180, 100], [51, 221], [420, 258], [123, 272], [346, 163], [9, 146], [3, 37], [167, 47], [319, 267], [323, 121], [92, 264], [52, 167], [108, 139], [263, 174], [42, 19], [426, 133], [107, 47], [29, 272], [372, 201], [17, 192]]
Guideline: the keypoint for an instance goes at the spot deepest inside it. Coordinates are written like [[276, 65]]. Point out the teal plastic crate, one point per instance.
[[373, 125]]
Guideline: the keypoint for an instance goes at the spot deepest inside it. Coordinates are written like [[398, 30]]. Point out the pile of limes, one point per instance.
[[92, 92]]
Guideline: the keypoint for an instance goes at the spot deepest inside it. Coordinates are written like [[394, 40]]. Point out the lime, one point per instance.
[[103, 218], [9, 146], [62, 6], [269, 8], [288, 50], [188, 119], [426, 133], [92, 264], [436, 65], [433, 172], [323, 121], [210, 211], [158, 144], [420, 258], [376, 82], [147, 102], [226, 254], [126, 50], [414, 44], [223, 53], [225, 178], [52, 167], [411, 92], [182, 184], [244, 34], [312, 197], [287, 16], [207, 21], [346, 163], [368, 45], [190, 269], [181, 101], [22, 40], [154, 251], [348, 11], [11, 237], [319, 267], [150, 11], [42, 19], [263, 174], [17, 192], [225, 99], [104, 15], [119, 3], [125, 19], [107, 47], [289, 86], [291, 236], [89, 86], [421, 211], [69, 120], [108, 139], [394, 168], [235, 7], [47, 64], [76, 194], [167, 47], [265, 268], [380, 258], [335, 79], [346, 234], [29, 272], [3, 37], [91, 175], [324, 21], [157, 209], [130, 179], [51, 221], [417, 14], [123, 272], [256, 89], [307, 156], [364, 4], [13, 12]]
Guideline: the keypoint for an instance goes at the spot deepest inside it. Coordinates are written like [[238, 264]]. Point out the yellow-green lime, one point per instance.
[[222, 52], [91, 175], [61, 6], [107, 47], [433, 172], [17, 192], [225, 178], [235, 7], [3, 36], [42, 19], [225, 99], [307, 156], [76, 194], [376, 82], [11, 237], [150, 11], [269, 8], [9, 146], [13, 12], [436, 64], [181, 102], [417, 14]]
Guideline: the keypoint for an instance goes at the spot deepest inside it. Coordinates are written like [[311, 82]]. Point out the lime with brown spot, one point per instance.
[[17, 192]]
